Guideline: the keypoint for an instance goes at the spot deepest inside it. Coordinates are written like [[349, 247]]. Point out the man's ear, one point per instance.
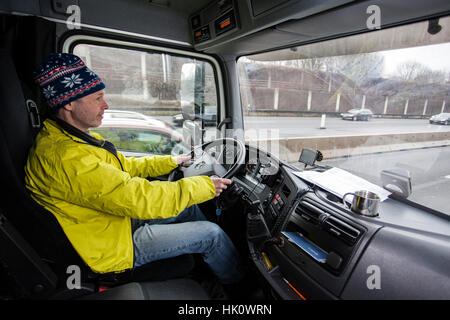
[[68, 107]]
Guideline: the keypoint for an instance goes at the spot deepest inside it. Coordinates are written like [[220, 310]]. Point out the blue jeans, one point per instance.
[[187, 233]]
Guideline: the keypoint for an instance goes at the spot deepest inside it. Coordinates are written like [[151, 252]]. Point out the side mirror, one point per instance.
[[397, 181], [192, 133], [191, 90]]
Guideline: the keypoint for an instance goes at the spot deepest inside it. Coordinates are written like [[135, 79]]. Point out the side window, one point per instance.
[[143, 140], [147, 97]]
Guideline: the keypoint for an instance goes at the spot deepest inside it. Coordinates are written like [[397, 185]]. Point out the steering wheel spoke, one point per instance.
[[222, 157]]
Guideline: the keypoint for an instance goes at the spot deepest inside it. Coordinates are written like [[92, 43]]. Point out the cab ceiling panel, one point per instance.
[[139, 17], [157, 19], [314, 22]]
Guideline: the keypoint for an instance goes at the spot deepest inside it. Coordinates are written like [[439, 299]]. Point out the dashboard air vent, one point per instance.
[[309, 212], [341, 230]]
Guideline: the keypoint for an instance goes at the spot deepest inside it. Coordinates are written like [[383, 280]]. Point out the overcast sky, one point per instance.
[[436, 57]]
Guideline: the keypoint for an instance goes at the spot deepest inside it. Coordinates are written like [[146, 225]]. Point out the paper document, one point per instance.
[[339, 182], [310, 248]]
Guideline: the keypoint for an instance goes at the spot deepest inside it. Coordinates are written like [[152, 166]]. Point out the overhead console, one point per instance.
[[262, 6], [269, 24], [218, 18], [222, 22]]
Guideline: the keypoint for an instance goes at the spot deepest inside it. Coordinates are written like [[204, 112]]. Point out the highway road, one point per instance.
[[310, 126], [291, 127]]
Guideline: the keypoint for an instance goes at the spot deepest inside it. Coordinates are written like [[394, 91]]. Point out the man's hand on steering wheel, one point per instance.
[[220, 159], [184, 160], [220, 184]]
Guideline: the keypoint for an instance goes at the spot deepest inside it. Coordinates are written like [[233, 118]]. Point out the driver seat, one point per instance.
[[38, 230]]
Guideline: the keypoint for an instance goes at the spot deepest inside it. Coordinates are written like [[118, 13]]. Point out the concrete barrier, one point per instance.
[[288, 149]]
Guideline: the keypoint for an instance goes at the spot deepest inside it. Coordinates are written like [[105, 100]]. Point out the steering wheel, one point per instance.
[[222, 157]]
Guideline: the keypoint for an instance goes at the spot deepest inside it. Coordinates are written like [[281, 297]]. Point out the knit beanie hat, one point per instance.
[[63, 78]]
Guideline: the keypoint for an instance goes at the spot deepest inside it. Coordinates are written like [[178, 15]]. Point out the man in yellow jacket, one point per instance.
[[114, 217]]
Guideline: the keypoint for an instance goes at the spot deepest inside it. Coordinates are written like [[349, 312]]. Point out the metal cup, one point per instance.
[[364, 202]]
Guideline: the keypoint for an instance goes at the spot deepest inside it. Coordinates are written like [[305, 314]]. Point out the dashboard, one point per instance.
[[308, 245]]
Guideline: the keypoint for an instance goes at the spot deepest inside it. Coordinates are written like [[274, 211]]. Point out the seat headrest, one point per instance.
[[14, 116]]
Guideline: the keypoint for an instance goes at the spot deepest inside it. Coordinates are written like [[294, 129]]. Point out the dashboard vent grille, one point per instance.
[[309, 212], [315, 214], [341, 230]]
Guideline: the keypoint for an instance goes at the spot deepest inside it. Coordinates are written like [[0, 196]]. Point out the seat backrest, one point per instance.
[[39, 230], [37, 226]]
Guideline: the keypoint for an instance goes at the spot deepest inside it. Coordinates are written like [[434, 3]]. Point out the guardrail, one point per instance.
[[269, 112]]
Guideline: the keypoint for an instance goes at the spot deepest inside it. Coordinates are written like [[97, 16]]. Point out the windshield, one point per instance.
[[311, 96]]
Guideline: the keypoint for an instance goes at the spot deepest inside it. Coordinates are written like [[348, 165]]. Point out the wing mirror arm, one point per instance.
[[224, 121]]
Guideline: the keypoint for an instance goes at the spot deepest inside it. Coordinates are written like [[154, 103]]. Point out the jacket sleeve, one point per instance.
[[101, 186], [151, 166]]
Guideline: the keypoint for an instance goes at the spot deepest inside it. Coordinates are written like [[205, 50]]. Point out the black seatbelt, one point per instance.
[[87, 137]]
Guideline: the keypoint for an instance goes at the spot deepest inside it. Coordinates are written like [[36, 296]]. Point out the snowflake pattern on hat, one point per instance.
[[72, 80], [49, 92]]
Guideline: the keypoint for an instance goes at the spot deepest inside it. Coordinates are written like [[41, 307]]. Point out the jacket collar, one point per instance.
[[77, 133], [52, 126], [83, 137]]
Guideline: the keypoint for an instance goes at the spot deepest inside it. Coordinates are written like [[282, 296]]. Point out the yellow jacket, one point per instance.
[[93, 199]]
